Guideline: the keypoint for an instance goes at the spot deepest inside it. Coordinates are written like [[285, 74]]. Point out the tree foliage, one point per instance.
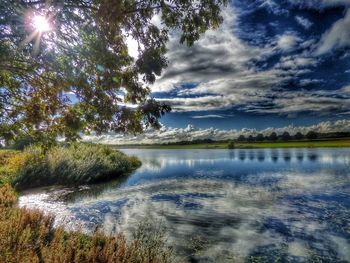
[[286, 136], [298, 136], [273, 136], [311, 135], [79, 76]]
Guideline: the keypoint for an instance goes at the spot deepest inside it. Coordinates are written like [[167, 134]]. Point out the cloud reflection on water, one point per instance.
[[295, 212]]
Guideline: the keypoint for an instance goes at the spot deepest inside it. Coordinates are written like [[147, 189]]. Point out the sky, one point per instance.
[[272, 63]]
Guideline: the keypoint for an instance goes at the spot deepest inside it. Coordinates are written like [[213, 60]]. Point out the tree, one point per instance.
[[298, 136], [286, 136], [65, 66], [250, 138], [311, 135], [273, 136], [231, 145], [259, 137], [241, 138]]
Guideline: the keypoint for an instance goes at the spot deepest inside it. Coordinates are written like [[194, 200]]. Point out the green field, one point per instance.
[[292, 144]]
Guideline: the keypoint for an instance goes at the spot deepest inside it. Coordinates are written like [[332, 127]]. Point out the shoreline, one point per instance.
[[333, 143]]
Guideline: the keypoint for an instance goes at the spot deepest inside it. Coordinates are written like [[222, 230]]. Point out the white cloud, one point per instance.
[[336, 37], [287, 42], [209, 116], [295, 62], [222, 66], [306, 23], [219, 54], [190, 133], [320, 3]]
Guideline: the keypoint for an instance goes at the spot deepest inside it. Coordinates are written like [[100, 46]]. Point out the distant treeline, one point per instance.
[[273, 137]]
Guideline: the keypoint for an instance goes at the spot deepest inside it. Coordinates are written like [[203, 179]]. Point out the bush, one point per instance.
[[10, 163], [22, 142], [73, 165]]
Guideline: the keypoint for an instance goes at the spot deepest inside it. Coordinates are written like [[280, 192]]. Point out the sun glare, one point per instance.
[[41, 24]]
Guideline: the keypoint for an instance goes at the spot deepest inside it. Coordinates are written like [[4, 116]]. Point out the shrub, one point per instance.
[[75, 164], [10, 163], [22, 142]]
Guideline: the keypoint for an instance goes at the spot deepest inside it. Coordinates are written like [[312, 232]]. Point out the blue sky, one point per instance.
[[272, 63]]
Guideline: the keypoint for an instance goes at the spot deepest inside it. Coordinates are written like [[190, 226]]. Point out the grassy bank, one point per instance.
[[73, 165], [28, 236], [246, 145]]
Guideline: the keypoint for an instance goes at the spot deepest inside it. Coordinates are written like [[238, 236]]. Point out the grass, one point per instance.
[[28, 236], [73, 165], [222, 145]]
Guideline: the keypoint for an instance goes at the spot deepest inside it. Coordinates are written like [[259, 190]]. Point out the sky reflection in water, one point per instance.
[[224, 205]]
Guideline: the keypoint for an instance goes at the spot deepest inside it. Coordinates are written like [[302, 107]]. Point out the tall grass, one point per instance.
[[72, 165], [28, 236]]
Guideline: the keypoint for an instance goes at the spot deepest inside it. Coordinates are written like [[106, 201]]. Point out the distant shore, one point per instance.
[[324, 143]]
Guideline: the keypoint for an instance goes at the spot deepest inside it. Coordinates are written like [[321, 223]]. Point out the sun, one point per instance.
[[41, 23]]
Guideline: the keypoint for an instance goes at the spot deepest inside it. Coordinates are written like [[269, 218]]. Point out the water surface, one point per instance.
[[270, 205]]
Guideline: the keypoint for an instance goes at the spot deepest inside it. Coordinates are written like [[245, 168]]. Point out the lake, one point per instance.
[[267, 205]]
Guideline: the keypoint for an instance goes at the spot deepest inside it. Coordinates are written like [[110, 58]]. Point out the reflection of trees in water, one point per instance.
[[312, 157], [94, 190], [300, 156], [242, 155], [274, 155], [287, 157], [261, 156], [251, 155], [232, 154], [155, 163]]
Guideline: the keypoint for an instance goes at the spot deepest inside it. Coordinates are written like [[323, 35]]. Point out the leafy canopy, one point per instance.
[[65, 66]]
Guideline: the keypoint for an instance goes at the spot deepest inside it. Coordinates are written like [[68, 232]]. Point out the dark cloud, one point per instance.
[[269, 57]]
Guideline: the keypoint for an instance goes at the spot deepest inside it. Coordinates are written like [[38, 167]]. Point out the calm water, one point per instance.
[[283, 205]]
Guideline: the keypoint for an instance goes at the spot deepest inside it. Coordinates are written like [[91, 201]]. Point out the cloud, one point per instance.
[[287, 42], [190, 133], [229, 72], [306, 23], [218, 54], [317, 102], [336, 37], [209, 116], [320, 4]]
